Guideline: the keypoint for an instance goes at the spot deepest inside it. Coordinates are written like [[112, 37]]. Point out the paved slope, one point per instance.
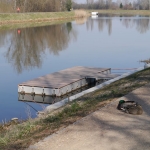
[[106, 129]]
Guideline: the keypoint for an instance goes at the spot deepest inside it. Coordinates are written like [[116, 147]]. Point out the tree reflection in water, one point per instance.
[[142, 25], [101, 23], [27, 45]]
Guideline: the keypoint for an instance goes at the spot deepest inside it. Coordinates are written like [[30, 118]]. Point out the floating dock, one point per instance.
[[64, 81], [49, 99]]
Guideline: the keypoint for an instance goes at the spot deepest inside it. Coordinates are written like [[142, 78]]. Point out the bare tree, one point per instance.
[[118, 3], [32, 6], [109, 4], [144, 4], [101, 4]]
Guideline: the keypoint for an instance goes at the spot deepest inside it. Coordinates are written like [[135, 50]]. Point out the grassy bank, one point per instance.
[[21, 20], [40, 16], [52, 16], [20, 136], [32, 24], [34, 17], [124, 12]]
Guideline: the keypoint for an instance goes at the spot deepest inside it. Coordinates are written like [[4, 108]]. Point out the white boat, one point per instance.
[[94, 13]]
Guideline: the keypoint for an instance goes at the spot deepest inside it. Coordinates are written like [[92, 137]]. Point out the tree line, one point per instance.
[[8, 6], [110, 4]]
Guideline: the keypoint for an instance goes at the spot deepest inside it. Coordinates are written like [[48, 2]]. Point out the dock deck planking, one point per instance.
[[64, 77], [65, 81]]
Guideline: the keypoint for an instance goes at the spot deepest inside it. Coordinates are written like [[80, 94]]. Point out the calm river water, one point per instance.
[[27, 53]]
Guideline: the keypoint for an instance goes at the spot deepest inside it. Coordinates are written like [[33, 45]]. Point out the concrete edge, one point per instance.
[[71, 98]]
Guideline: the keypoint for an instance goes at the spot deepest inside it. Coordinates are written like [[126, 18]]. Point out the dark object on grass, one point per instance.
[[130, 107]]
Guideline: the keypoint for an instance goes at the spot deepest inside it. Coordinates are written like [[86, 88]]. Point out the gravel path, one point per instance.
[[106, 129]]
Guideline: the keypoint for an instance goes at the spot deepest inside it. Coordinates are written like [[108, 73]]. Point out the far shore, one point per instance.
[[124, 12], [13, 18]]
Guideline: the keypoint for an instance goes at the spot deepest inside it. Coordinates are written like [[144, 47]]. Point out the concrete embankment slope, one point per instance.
[[106, 129]]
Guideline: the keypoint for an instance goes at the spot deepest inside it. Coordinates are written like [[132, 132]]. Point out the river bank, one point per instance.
[[21, 135], [12, 18], [122, 12], [23, 20], [34, 17]]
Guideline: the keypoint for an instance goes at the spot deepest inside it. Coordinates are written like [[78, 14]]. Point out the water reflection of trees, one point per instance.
[[26, 46], [25, 49], [142, 25], [3, 37], [60, 37], [81, 20], [101, 22]]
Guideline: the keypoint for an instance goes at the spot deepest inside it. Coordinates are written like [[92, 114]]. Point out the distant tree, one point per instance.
[[109, 4], [130, 6], [68, 5], [144, 4], [121, 6], [118, 3], [90, 4], [101, 4]]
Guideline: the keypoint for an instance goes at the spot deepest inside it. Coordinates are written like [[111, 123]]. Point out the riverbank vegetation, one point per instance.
[[52, 10], [12, 18], [17, 11], [123, 12], [35, 17], [41, 17], [20, 135], [23, 25], [110, 4], [7, 6]]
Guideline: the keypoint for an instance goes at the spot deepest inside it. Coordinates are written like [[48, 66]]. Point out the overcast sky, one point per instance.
[[83, 1], [80, 1]]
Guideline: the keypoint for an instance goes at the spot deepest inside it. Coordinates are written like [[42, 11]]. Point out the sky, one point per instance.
[[83, 1], [80, 1]]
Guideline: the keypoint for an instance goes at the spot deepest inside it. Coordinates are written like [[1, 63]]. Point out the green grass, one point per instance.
[[32, 24], [21, 20], [124, 12], [41, 16], [22, 135]]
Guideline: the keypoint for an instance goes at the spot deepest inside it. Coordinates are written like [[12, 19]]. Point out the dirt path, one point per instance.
[[105, 129]]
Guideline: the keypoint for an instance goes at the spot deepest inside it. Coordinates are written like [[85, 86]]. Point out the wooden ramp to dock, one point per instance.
[[64, 81]]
